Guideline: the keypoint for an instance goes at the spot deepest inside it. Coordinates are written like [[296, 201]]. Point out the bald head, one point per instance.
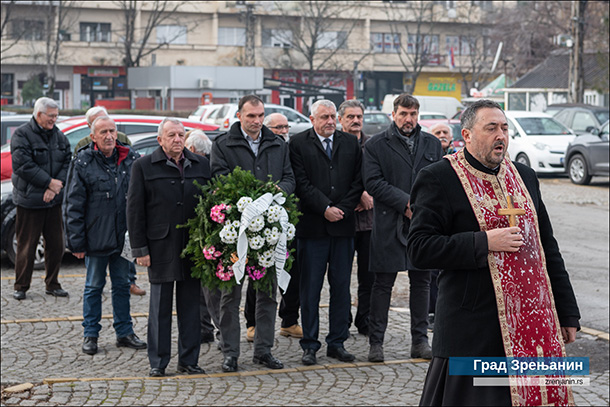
[[278, 123]]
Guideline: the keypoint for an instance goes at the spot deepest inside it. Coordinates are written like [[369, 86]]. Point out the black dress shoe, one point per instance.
[[90, 345], [269, 361], [309, 357], [229, 364], [157, 372], [19, 295], [58, 292], [190, 369], [340, 353], [131, 341]]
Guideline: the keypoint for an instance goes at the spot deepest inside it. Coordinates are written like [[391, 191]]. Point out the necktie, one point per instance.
[[328, 150]]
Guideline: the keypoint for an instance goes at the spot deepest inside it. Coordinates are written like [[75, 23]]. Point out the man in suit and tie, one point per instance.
[[327, 168]]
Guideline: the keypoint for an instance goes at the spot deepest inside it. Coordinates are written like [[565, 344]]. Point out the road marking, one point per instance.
[[51, 381]]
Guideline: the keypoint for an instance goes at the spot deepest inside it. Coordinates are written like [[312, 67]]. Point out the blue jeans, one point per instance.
[[92, 298], [132, 273]]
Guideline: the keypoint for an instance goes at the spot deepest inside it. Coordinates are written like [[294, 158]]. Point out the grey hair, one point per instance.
[[349, 103], [321, 102], [269, 119], [168, 119], [93, 112], [200, 142], [444, 125], [43, 104], [469, 117], [97, 119]]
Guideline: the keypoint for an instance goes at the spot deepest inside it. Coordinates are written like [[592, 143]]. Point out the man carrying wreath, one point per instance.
[[253, 147]]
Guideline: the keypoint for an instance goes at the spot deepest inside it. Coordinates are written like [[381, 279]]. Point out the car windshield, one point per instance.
[[602, 116], [376, 118], [541, 126]]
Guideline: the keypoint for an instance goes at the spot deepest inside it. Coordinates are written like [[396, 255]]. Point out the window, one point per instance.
[[235, 36], [30, 30], [8, 83], [95, 32], [462, 45], [385, 42], [428, 44], [332, 40], [583, 120], [171, 34], [277, 38], [467, 45]]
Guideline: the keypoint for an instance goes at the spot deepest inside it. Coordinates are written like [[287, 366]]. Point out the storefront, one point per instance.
[[101, 83]]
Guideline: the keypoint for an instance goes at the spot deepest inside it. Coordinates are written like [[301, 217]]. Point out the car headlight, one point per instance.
[[541, 146]]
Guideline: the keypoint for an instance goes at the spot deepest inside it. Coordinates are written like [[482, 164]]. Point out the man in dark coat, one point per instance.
[[95, 206], [392, 160], [254, 148], [326, 164], [446, 234], [161, 196], [41, 156], [351, 114]]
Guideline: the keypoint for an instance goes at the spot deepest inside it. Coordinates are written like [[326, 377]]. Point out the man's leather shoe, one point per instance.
[[190, 369], [294, 331], [340, 353], [131, 341], [58, 292], [135, 290], [207, 337], [19, 295], [156, 372], [269, 361], [376, 353], [90, 345], [421, 351], [229, 364], [309, 357], [250, 333]]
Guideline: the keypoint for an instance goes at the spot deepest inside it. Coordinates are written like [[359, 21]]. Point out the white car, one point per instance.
[[204, 112], [298, 122], [538, 141]]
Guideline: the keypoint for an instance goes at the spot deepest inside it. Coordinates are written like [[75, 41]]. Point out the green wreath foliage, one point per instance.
[[204, 232]]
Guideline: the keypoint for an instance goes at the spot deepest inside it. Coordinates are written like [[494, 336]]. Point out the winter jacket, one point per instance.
[[38, 156]]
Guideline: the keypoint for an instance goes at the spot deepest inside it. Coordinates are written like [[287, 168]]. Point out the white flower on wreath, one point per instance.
[[266, 258], [243, 202], [256, 242], [272, 235], [273, 213], [290, 231], [228, 234], [236, 224], [257, 224]]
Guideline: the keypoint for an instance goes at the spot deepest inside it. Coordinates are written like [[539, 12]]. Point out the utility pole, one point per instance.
[[576, 81], [356, 79], [250, 33]]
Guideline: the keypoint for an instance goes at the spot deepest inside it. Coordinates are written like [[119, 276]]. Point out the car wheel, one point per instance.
[[577, 169], [11, 249], [522, 159]]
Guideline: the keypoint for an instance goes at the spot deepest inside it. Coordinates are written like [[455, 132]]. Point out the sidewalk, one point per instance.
[[41, 339]]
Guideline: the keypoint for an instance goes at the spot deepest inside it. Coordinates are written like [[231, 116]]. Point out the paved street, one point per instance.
[[42, 335]]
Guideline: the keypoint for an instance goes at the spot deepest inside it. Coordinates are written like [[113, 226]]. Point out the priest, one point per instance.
[[503, 290]]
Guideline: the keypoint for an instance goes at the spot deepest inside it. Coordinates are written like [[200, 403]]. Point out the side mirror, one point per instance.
[[511, 133], [593, 130]]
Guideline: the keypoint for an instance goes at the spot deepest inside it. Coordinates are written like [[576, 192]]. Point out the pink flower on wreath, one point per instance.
[[216, 212], [210, 253], [222, 274], [256, 274]]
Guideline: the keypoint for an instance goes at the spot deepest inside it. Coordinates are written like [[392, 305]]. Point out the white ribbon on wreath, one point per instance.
[[251, 211]]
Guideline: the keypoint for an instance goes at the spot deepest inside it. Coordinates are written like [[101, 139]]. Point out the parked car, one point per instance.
[[9, 123], [537, 140], [588, 155], [431, 115], [375, 122], [227, 115], [203, 112], [581, 118], [6, 162]]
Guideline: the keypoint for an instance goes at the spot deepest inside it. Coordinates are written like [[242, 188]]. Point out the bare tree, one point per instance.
[[57, 22], [10, 37], [136, 38], [313, 33]]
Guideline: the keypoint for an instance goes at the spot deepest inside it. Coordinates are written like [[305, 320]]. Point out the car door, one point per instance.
[[598, 151]]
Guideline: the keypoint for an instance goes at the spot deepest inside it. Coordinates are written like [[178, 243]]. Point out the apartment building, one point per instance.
[[307, 50]]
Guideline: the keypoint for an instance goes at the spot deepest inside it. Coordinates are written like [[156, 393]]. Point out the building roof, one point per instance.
[[553, 72]]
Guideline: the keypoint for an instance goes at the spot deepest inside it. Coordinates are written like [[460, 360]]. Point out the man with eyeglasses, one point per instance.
[[41, 156], [278, 123]]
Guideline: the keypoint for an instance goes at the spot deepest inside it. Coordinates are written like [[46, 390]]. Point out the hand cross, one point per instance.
[[511, 211]]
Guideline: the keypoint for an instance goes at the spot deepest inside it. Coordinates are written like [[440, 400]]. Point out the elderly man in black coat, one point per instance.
[[161, 196], [327, 168], [254, 148], [391, 162]]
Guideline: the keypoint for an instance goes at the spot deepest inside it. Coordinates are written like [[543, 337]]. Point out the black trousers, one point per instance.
[[30, 223], [365, 281], [289, 304], [419, 297], [160, 322]]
